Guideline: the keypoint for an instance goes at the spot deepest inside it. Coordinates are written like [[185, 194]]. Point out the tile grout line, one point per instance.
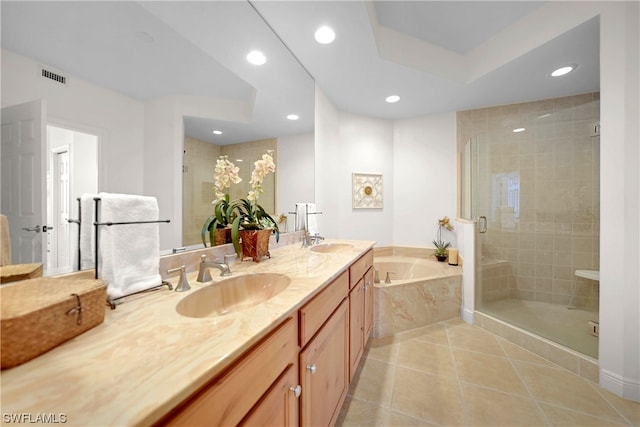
[[526, 387], [595, 387], [557, 367], [465, 412]]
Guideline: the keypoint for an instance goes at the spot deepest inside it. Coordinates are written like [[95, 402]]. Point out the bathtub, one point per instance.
[[421, 291]]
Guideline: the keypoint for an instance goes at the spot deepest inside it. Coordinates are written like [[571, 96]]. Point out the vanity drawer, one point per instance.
[[318, 310], [227, 399], [358, 268]]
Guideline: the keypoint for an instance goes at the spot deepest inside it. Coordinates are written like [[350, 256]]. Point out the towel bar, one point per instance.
[[112, 301], [97, 224]]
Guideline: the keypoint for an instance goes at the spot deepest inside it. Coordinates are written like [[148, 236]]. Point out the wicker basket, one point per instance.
[[39, 314]]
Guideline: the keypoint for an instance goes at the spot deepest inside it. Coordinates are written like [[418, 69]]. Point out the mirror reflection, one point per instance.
[[145, 78], [198, 180]]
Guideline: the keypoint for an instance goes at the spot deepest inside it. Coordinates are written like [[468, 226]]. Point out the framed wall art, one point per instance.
[[367, 191]]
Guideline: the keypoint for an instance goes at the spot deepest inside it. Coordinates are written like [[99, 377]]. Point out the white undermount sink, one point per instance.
[[233, 294]]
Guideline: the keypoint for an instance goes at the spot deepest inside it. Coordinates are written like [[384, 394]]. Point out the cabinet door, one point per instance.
[[228, 398], [368, 304], [279, 407], [324, 371], [356, 326]]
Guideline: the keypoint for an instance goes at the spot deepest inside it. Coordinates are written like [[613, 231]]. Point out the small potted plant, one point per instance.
[[217, 226], [252, 225], [441, 245]]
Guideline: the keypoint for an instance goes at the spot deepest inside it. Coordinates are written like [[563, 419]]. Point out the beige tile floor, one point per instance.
[[454, 374]]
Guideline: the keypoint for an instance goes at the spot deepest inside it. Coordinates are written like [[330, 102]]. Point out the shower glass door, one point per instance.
[[532, 170]]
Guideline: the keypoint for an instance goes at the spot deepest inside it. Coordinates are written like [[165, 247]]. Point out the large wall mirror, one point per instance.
[[151, 81]]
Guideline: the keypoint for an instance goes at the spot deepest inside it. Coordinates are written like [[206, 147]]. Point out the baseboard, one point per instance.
[[467, 315], [626, 388]]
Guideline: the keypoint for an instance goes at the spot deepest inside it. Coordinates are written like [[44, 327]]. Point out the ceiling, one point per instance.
[[438, 56]]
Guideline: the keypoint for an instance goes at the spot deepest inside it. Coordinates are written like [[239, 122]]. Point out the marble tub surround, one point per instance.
[[145, 358], [434, 293], [409, 251]]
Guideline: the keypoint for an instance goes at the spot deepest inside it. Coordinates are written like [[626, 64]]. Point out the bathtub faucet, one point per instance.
[[388, 279], [376, 275]]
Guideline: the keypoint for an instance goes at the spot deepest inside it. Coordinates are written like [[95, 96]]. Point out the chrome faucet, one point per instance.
[[203, 272], [310, 240]]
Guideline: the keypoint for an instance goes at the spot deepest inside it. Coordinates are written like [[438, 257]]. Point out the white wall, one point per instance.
[[417, 159], [163, 148], [117, 119], [619, 342], [424, 165], [327, 160], [295, 174], [366, 146]]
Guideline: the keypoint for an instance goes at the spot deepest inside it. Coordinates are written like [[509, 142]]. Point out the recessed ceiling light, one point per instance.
[[217, 132], [256, 57], [293, 117], [325, 35], [563, 70], [518, 130], [393, 98]]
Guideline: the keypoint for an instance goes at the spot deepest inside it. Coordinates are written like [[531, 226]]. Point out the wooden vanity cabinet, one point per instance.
[[324, 358], [360, 308], [356, 326], [279, 406], [324, 371], [300, 373], [368, 304], [260, 386]]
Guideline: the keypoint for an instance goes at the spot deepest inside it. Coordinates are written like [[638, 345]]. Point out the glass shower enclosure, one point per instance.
[[531, 178]]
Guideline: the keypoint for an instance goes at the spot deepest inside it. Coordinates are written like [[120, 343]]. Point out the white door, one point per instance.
[[58, 212], [23, 166]]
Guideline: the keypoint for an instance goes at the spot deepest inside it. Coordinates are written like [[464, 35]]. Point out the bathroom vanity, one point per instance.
[[285, 361]]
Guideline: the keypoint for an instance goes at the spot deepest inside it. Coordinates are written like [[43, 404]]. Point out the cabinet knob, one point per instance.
[[312, 368], [296, 390]]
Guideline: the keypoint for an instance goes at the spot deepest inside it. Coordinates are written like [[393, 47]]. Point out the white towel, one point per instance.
[[301, 216], [312, 222], [306, 217], [129, 254], [87, 232]]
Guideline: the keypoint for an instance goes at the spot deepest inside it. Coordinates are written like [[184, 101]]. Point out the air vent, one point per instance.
[[54, 76]]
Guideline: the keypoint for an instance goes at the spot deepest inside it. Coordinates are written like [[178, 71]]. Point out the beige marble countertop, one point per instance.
[[146, 358]]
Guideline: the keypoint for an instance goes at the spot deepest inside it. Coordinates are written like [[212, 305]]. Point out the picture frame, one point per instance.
[[367, 191]]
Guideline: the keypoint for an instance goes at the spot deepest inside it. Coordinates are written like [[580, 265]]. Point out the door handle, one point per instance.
[[46, 228], [35, 229], [482, 224]]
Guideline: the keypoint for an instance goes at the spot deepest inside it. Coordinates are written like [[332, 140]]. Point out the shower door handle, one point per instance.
[[482, 224]]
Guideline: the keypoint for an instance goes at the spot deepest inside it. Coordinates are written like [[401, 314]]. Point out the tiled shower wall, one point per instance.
[[197, 187], [199, 163], [539, 189]]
